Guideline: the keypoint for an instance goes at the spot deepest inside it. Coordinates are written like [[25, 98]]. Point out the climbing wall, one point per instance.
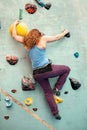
[[71, 15]]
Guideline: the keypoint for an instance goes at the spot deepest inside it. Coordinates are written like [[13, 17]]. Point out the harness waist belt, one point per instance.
[[43, 69]]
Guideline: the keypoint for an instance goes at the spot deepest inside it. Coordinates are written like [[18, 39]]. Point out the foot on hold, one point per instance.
[[57, 99], [56, 92], [57, 116]]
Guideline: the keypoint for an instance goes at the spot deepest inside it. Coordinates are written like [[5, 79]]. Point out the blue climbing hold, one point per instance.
[[76, 54], [8, 102], [40, 3]]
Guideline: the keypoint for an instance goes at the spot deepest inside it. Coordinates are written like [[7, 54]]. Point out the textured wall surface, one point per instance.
[[70, 14]]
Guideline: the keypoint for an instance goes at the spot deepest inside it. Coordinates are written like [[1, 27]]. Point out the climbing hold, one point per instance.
[[21, 29], [12, 60], [66, 92], [6, 117], [57, 99], [34, 109], [75, 84], [30, 8], [39, 2], [27, 84], [20, 14], [67, 35], [0, 94], [28, 101], [0, 24], [76, 54], [13, 90], [47, 6], [8, 102]]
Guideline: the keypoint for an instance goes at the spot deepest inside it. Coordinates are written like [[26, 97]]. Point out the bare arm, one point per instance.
[[14, 33], [56, 37]]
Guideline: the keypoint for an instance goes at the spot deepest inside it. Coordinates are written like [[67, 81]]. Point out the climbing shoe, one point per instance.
[[57, 116], [56, 92]]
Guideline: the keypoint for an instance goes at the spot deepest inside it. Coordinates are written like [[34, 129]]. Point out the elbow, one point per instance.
[[13, 36]]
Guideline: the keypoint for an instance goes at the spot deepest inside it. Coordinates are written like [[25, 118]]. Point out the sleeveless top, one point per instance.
[[38, 57]]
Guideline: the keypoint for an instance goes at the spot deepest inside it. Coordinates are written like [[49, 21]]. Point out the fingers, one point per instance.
[[65, 31], [67, 34], [17, 22]]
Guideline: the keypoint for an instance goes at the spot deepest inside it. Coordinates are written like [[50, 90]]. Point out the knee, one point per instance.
[[68, 69]]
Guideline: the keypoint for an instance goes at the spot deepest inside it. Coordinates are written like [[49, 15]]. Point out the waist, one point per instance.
[[43, 69], [38, 63]]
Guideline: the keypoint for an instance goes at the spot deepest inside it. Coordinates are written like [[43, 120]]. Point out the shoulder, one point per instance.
[[42, 43], [43, 38]]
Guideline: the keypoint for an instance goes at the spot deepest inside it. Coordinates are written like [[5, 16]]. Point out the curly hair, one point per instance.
[[32, 38]]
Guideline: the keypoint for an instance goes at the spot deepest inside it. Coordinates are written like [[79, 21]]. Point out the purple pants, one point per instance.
[[59, 71]]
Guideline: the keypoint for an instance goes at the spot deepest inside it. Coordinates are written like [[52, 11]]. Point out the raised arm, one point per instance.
[[55, 37], [14, 33]]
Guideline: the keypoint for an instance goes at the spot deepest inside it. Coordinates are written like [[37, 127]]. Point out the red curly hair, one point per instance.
[[32, 38]]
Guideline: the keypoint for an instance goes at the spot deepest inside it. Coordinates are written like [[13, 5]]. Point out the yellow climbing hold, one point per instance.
[[21, 29], [58, 100], [28, 101]]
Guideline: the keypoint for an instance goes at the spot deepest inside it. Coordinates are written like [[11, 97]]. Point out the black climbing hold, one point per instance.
[[6, 117], [47, 6], [74, 83], [66, 92], [13, 90], [67, 35], [34, 109]]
